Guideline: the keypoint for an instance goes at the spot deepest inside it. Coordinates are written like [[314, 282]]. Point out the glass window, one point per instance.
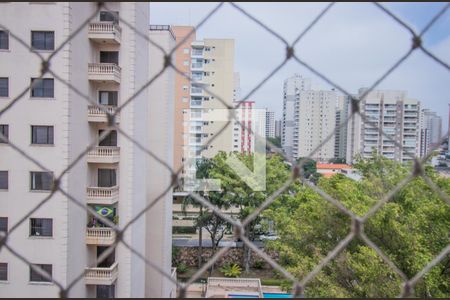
[[3, 180], [36, 277], [4, 87], [42, 135], [3, 271], [41, 181], [4, 224], [41, 227], [106, 177], [4, 40], [4, 130], [43, 40], [110, 139], [186, 50], [186, 63], [109, 57], [108, 98], [42, 87], [109, 16]]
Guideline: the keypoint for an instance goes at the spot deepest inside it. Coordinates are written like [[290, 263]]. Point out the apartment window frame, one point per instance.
[[4, 224], [48, 45], [49, 135], [109, 55], [186, 50], [4, 186], [111, 98], [3, 272], [4, 130], [114, 14], [36, 277], [110, 139], [46, 91], [39, 230], [4, 90], [4, 38], [42, 186]]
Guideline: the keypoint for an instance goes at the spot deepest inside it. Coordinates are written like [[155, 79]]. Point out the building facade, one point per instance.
[[342, 111], [431, 126], [395, 115], [270, 124], [109, 63]]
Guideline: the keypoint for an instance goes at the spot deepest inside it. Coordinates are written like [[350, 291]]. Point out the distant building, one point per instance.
[[278, 128], [342, 111], [270, 124], [392, 113], [431, 128], [244, 128]]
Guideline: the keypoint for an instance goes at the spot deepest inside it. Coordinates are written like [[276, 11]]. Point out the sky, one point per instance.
[[353, 45]]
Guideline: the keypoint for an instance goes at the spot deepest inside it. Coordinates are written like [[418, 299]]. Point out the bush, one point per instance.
[[184, 230], [273, 282], [259, 264], [182, 268], [231, 270]]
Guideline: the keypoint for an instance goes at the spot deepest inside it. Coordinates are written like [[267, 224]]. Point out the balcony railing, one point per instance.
[[102, 276], [104, 154], [104, 72], [105, 32], [95, 114], [102, 195], [100, 236]]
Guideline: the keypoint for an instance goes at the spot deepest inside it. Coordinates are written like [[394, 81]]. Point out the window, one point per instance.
[[109, 57], [4, 130], [186, 50], [186, 63], [41, 227], [185, 87], [3, 180], [108, 98], [106, 177], [42, 135], [110, 139], [4, 224], [4, 40], [184, 99], [109, 16], [41, 181], [43, 40], [4, 90], [3, 271], [36, 277], [42, 87]]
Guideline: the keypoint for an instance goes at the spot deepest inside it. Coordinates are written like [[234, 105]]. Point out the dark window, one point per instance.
[[3, 180], [42, 135], [4, 224], [4, 40], [41, 227], [107, 98], [110, 139], [35, 276], [41, 181], [111, 57], [109, 16], [43, 40], [3, 271], [106, 291], [4, 87], [42, 88], [106, 177], [4, 130]]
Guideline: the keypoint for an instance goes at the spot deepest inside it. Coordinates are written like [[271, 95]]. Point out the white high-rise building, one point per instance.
[[342, 110], [278, 128], [109, 62], [395, 115], [309, 116], [431, 126], [270, 124]]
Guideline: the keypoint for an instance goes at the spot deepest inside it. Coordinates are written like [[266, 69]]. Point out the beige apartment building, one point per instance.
[[396, 115], [109, 62]]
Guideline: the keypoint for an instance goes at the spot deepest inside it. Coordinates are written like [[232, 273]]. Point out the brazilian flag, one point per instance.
[[105, 211]]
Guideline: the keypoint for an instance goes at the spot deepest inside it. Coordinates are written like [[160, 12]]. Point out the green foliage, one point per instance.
[[184, 230], [276, 282], [231, 270], [337, 161], [182, 268], [276, 141], [259, 264], [309, 169], [411, 229]]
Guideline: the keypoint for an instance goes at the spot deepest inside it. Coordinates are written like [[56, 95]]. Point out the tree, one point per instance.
[[310, 169], [276, 141], [411, 229]]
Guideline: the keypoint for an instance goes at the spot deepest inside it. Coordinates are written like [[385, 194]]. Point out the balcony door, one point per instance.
[[109, 57], [106, 177], [109, 140], [106, 291], [107, 98], [109, 16], [108, 261]]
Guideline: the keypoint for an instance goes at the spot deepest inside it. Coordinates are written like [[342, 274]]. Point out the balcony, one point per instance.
[[104, 155], [102, 195], [105, 32], [104, 72], [101, 276], [102, 236], [96, 115]]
